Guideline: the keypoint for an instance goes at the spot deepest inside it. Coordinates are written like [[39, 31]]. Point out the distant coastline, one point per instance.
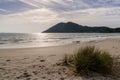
[[71, 27]]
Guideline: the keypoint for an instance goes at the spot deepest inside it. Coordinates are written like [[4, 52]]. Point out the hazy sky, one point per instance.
[[38, 15]]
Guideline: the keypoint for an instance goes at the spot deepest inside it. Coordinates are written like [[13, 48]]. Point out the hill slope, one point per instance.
[[71, 27]]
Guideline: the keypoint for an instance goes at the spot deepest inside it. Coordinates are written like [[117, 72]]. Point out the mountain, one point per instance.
[[71, 27]]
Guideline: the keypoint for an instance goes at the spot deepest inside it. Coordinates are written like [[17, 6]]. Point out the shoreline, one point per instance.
[[69, 44], [43, 63], [72, 47]]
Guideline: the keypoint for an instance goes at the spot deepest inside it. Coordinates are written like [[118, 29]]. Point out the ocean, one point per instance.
[[26, 40]]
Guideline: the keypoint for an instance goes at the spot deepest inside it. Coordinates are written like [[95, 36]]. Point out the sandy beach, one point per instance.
[[44, 63]]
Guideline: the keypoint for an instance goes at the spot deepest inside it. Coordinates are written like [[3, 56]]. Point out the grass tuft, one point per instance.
[[89, 59]]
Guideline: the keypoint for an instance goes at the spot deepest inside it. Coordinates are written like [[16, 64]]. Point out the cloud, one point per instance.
[[41, 18], [3, 10], [14, 6], [105, 12], [68, 5], [57, 5], [37, 15], [45, 17]]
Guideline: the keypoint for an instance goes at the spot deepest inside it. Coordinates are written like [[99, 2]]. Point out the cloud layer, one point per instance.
[[13, 6], [41, 14]]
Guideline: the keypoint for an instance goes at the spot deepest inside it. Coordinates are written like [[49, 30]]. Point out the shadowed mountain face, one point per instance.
[[71, 27]]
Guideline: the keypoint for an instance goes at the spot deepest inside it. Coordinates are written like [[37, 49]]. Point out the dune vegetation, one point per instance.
[[90, 59]]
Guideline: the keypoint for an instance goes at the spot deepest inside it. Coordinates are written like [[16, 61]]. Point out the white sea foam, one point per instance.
[[22, 40]]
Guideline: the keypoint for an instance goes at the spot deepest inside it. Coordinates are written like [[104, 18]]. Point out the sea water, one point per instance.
[[25, 40]]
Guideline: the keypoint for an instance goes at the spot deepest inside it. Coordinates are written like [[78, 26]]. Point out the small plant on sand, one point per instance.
[[65, 59], [90, 59]]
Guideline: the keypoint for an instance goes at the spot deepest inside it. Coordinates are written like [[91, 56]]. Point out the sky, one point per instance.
[[29, 16]]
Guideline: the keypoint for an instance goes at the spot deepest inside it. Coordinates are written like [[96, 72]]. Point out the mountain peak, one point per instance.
[[71, 27], [70, 23]]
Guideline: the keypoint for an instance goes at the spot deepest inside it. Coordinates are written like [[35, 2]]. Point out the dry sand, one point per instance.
[[45, 63]]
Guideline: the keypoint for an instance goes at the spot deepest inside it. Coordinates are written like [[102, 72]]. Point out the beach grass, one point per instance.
[[90, 59]]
